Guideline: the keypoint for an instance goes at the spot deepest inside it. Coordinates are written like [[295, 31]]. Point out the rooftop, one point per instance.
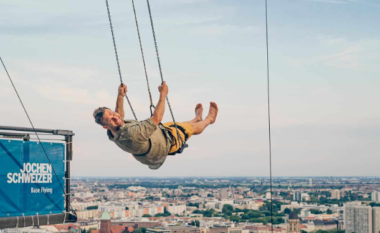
[[293, 215], [105, 216]]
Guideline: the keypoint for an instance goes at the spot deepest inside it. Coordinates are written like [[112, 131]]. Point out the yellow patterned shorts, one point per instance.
[[185, 131]]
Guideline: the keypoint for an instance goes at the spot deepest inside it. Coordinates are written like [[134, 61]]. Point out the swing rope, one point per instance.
[[143, 58], [117, 57], [184, 145]]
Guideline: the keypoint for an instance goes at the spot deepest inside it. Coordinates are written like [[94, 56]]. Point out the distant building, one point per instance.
[[136, 224], [87, 225], [265, 229], [184, 229], [105, 223], [357, 218], [203, 193], [27, 230], [293, 225], [107, 227], [283, 207], [11, 230], [376, 219], [219, 229], [375, 196], [335, 194], [177, 209], [325, 225], [223, 193], [228, 230], [297, 196], [305, 197], [158, 230], [311, 182]]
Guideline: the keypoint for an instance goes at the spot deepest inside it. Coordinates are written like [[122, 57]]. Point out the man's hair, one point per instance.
[[98, 115]]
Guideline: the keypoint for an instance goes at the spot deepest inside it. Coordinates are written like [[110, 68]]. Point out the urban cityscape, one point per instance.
[[271, 125], [222, 205]]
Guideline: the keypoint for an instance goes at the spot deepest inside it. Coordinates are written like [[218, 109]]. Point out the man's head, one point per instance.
[[108, 118]]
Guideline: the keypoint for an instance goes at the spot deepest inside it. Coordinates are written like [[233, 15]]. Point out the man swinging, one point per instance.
[[149, 141]]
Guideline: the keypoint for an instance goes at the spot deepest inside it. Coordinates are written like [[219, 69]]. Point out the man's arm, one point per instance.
[[160, 108], [120, 100]]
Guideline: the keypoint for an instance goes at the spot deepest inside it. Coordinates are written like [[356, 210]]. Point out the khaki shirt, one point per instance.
[[147, 142]]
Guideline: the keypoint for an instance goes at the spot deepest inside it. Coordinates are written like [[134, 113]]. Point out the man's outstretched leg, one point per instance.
[[198, 127], [189, 128], [198, 114]]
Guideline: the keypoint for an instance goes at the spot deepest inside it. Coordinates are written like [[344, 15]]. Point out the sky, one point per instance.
[[324, 81]]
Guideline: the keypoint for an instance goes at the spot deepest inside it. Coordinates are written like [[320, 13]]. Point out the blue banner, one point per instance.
[[27, 181]]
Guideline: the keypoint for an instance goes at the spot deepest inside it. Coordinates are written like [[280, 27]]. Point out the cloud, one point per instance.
[[341, 53], [329, 41], [334, 1], [219, 30], [319, 112], [52, 72], [348, 58], [182, 20]]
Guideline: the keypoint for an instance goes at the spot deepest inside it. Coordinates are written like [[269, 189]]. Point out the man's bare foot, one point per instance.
[[199, 112], [213, 112]]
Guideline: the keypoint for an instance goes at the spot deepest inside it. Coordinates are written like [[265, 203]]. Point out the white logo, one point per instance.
[[32, 173]]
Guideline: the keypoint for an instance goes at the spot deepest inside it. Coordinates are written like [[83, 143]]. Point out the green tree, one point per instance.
[[372, 204], [236, 210], [228, 213], [208, 213], [165, 214], [315, 211], [138, 230], [227, 208], [254, 214], [193, 204], [234, 218], [90, 229], [287, 211], [195, 223], [329, 211], [147, 215], [267, 213]]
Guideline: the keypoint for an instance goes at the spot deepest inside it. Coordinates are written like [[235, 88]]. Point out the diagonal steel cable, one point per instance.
[[269, 116], [34, 129]]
